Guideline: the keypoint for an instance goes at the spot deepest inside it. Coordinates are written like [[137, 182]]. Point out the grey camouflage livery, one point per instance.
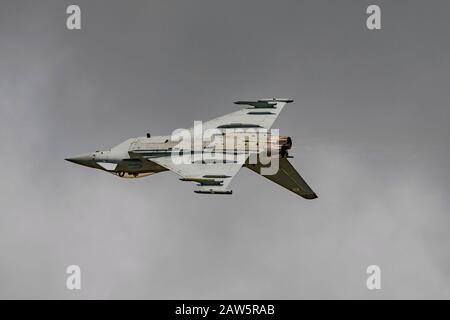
[[143, 156]]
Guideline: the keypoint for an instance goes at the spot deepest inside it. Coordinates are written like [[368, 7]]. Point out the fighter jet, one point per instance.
[[242, 138]]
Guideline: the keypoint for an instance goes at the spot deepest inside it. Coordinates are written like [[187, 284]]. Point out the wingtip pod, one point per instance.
[[263, 103], [212, 191], [287, 100]]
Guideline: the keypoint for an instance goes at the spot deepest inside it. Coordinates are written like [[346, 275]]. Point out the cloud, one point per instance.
[[368, 131]]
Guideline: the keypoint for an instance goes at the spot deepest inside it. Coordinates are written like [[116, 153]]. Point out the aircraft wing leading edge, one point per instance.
[[258, 113], [211, 178]]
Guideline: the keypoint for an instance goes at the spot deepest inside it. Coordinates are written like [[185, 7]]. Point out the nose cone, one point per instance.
[[82, 159]]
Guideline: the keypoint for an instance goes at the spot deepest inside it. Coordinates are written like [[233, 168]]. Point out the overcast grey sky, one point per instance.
[[370, 126]]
